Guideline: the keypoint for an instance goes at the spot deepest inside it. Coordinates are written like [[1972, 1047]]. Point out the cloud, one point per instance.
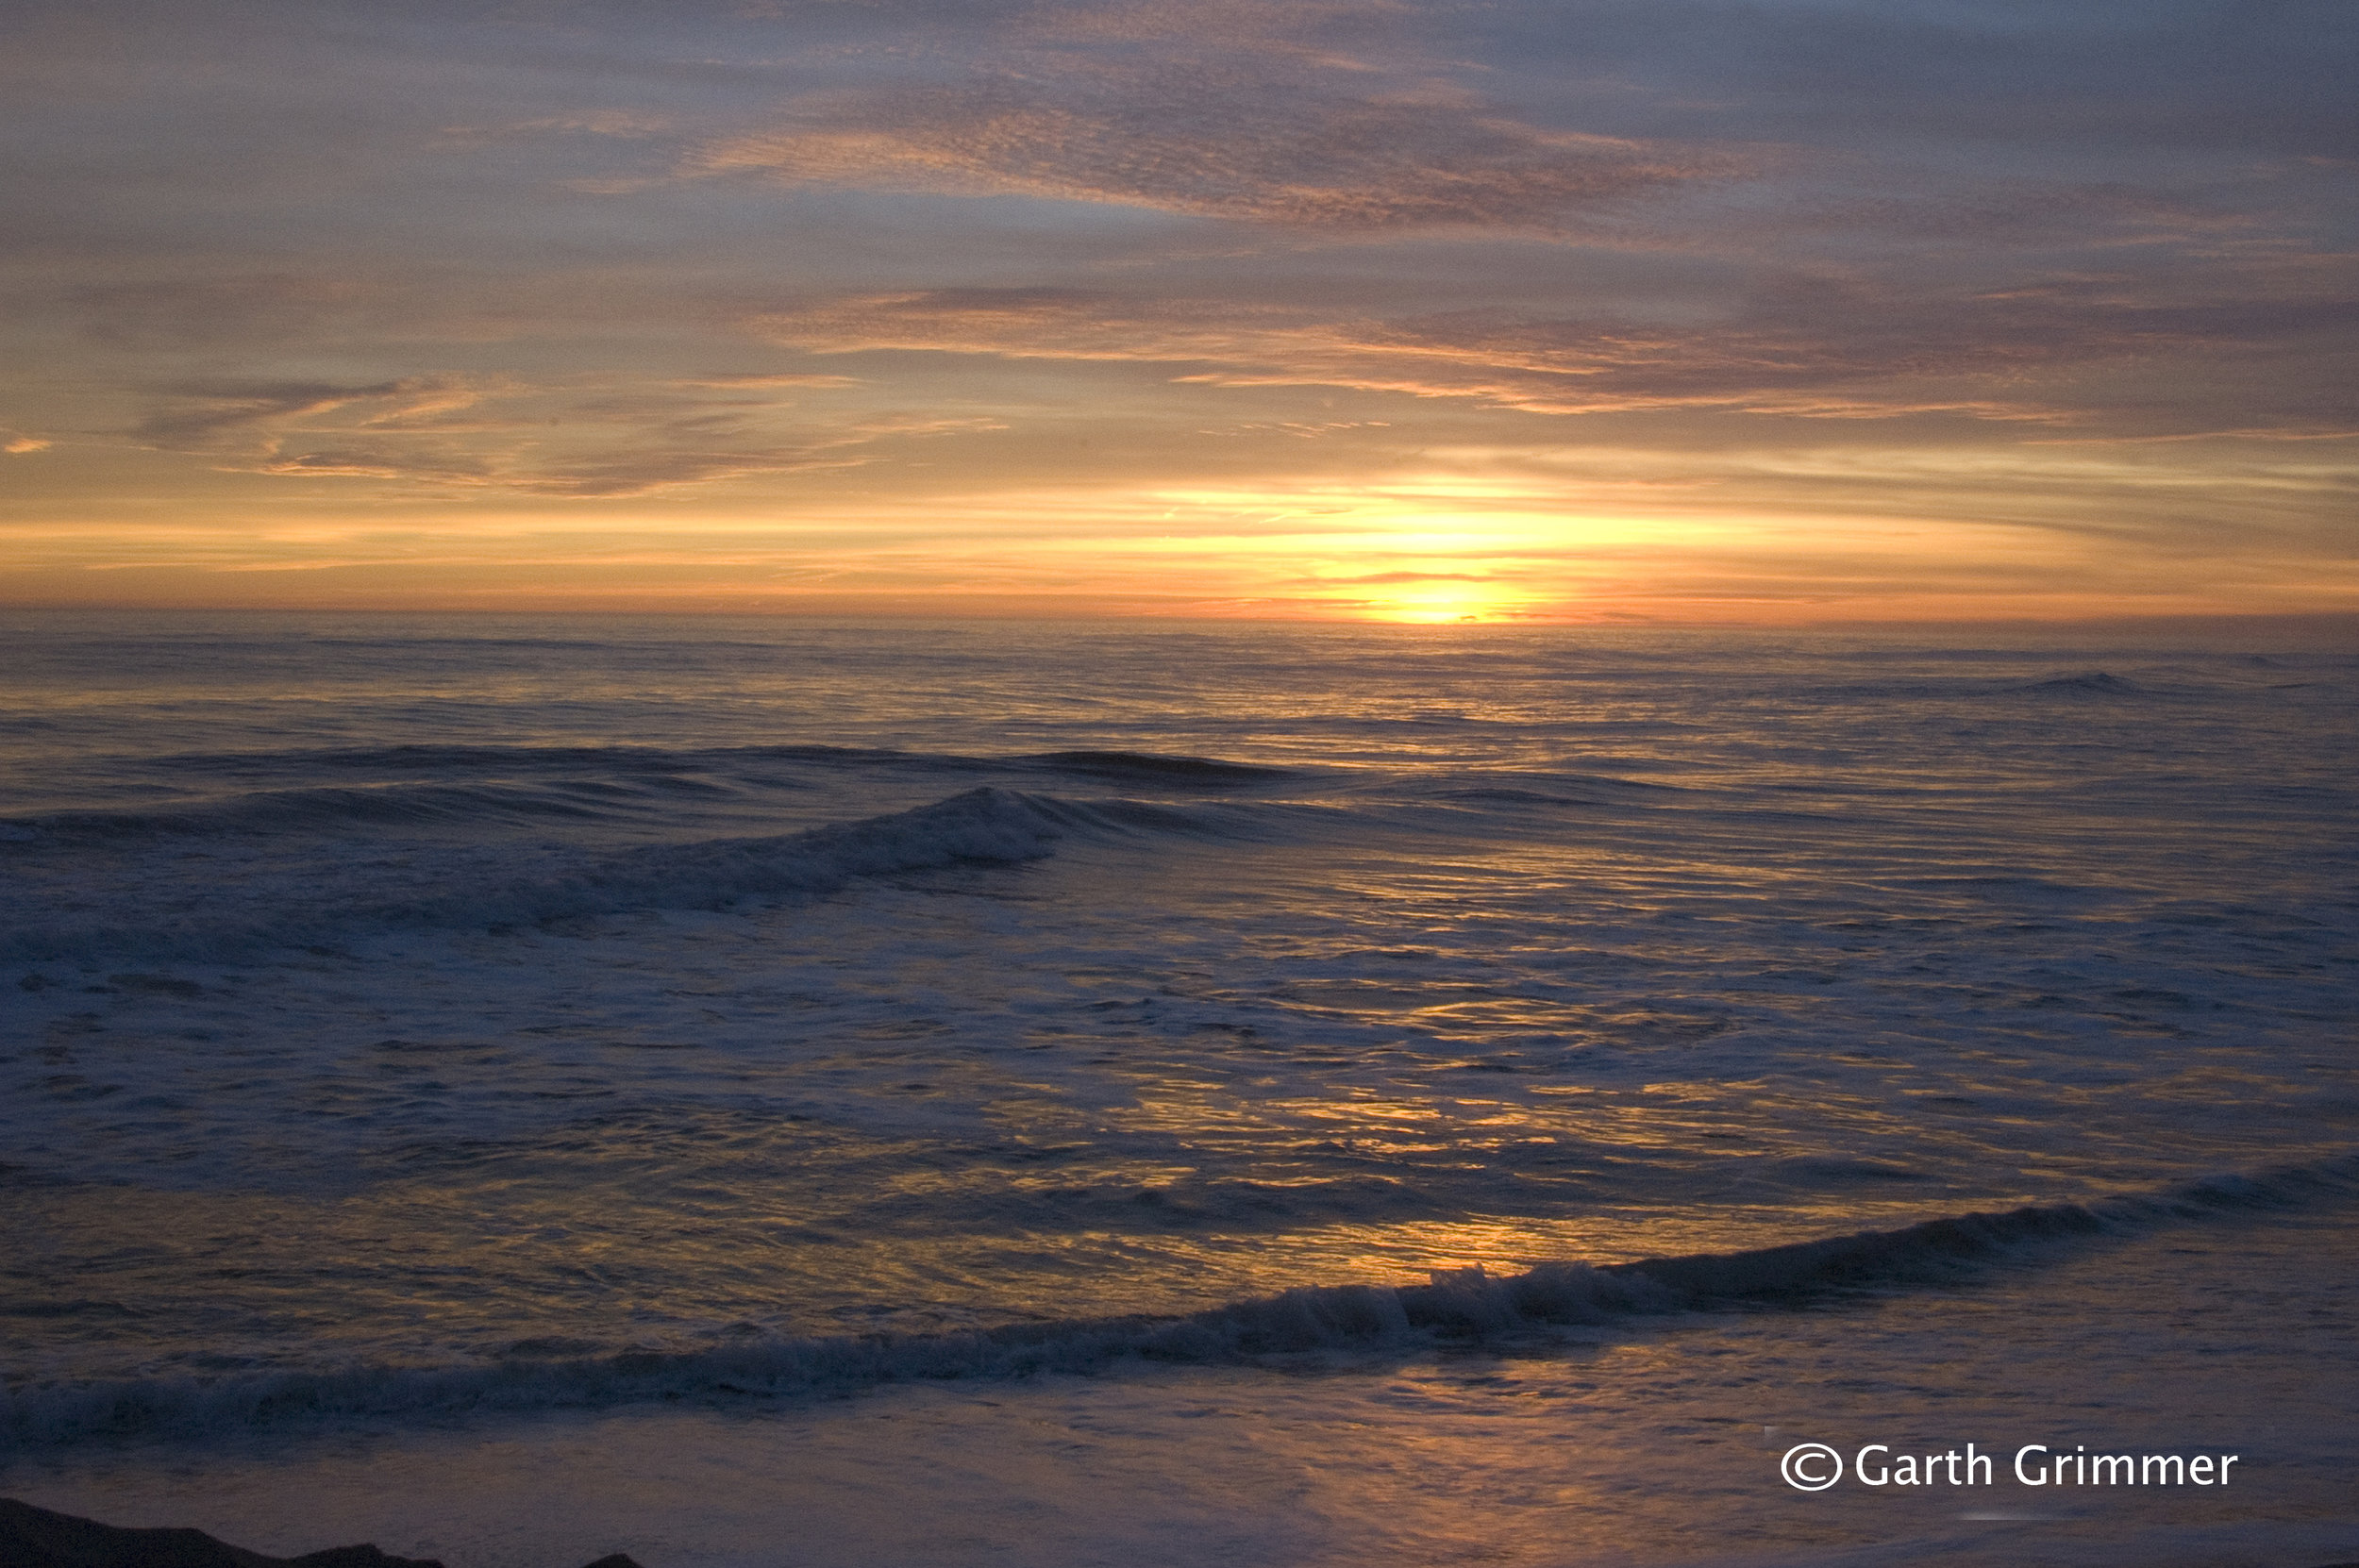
[[753, 380], [201, 415], [2264, 433], [612, 475], [1278, 141], [19, 446], [363, 305], [620, 471], [611, 122], [1805, 347], [1373, 579], [1299, 429], [456, 434], [1311, 28]]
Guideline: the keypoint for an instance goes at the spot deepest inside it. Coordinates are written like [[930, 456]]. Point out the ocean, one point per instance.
[[752, 1091]]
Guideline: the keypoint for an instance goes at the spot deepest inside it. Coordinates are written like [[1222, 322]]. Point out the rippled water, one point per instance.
[[411, 1016]]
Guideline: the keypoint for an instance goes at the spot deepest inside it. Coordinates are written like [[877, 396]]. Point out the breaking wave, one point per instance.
[[1454, 1305], [985, 825]]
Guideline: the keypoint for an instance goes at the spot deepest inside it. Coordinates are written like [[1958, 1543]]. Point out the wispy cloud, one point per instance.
[[203, 415], [1810, 348], [611, 122], [505, 436], [757, 380]]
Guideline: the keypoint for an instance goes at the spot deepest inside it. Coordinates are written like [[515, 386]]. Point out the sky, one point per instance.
[[1531, 310]]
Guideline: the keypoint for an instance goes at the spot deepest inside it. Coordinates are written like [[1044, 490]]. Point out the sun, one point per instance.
[[1454, 605]]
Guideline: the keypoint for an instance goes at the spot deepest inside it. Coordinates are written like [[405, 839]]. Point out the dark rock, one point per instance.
[[38, 1538]]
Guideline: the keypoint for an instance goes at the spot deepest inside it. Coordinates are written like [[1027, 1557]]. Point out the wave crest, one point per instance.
[[1454, 1304], [986, 826]]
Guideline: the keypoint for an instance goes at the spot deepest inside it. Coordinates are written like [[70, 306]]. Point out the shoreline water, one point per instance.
[[1458, 1306], [1652, 1444]]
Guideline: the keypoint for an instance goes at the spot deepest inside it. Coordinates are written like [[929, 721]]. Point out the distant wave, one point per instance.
[[1984, 688], [2095, 683], [1455, 1305], [328, 808]]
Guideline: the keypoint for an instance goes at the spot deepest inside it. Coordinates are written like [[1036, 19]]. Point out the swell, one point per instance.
[[2064, 685], [985, 825], [334, 789], [322, 810], [1454, 1305], [1152, 768]]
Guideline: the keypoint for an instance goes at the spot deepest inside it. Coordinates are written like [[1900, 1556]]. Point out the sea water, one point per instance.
[[750, 1091]]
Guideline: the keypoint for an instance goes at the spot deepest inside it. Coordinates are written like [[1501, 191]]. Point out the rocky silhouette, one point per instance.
[[40, 1538]]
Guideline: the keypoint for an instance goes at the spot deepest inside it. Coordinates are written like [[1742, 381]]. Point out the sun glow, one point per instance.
[[1452, 604], [1416, 547]]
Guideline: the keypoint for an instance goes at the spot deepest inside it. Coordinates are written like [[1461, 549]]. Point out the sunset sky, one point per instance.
[[1404, 310]]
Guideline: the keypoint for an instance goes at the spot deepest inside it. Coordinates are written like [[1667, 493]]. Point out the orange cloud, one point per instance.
[[1552, 367], [1807, 348]]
